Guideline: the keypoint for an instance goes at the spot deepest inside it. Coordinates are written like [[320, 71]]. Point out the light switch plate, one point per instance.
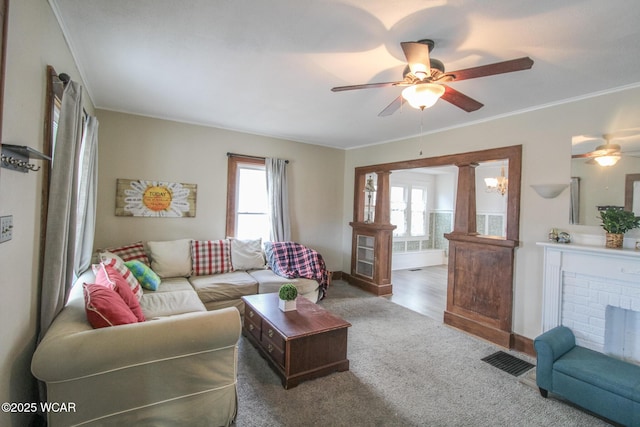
[[6, 228]]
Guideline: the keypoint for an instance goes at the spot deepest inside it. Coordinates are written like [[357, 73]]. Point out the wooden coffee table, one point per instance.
[[307, 343]]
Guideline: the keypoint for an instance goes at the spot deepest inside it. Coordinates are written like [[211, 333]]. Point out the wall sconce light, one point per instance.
[[497, 184], [549, 191]]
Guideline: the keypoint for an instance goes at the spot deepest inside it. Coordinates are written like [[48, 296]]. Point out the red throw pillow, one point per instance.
[[104, 307], [108, 276]]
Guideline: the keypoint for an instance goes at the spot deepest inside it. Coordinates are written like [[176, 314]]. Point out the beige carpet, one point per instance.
[[405, 370]]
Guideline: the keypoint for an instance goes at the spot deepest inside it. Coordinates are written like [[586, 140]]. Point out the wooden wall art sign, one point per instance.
[[155, 199]]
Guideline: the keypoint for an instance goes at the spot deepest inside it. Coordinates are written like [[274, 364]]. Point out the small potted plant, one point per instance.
[[287, 293], [616, 222]]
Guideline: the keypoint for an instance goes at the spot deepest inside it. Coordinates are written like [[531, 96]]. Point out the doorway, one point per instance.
[[481, 244]]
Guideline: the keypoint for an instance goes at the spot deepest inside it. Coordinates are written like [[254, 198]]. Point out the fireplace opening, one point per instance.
[[622, 334]]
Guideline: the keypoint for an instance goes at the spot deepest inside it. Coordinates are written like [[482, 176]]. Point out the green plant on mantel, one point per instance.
[[618, 221], [288, 292]]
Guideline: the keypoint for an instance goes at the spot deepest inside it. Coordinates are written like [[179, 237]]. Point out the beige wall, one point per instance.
[[545, 135], [321, 181], [136, 147], [34, 40]]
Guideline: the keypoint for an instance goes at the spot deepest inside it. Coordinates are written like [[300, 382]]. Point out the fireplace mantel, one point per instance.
[[579, 281]]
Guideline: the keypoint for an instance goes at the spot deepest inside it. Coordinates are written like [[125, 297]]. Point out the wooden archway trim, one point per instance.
[[481, 268]]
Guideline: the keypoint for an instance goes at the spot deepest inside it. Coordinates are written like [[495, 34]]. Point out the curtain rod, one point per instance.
[[249, 157]]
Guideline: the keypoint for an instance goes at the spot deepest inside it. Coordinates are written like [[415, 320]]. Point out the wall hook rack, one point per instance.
[[16, 157]]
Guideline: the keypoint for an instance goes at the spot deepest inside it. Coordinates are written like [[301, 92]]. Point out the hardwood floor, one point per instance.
[[422, 289]]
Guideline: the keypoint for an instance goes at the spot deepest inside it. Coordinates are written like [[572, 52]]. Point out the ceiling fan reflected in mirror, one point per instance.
[[424, 79], [607, 154]]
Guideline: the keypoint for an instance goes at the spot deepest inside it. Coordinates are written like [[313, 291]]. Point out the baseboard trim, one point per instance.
[[523, 345], [372, 288], [496, 336]]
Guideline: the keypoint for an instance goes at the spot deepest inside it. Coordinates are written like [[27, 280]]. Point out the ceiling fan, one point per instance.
[[424, 79], [606, 154]]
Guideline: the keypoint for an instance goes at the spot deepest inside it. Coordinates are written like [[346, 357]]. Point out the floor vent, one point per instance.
[[508, 363]]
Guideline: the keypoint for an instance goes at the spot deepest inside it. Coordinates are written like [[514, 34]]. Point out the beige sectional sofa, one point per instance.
[[179, 367]]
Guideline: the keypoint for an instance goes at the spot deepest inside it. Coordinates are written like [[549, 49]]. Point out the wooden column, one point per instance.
[[372, 242], [383, 204], [465, 221]]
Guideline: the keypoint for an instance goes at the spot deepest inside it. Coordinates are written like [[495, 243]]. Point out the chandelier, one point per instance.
[[497, 184]]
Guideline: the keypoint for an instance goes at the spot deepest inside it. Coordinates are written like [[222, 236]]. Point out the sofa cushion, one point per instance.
[[270, 282], [104, 307], [109, 277], [225, 286], [247, 254], [130, 252], [147, 278], [605, 372], [171, 258], [211, 257], [172, 284], [175, 295], [116, 262]]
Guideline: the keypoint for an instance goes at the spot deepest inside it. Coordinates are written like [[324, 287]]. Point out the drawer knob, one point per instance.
[[270, 348], [270, 333], [250, 313]]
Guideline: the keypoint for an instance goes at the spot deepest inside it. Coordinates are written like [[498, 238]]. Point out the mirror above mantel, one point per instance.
[[595, 187]]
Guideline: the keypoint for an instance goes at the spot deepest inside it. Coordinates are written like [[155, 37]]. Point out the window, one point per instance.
[[398, 210], [408, 210], [247, 206]]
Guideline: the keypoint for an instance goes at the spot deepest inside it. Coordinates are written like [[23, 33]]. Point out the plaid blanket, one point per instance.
[[291, 260]]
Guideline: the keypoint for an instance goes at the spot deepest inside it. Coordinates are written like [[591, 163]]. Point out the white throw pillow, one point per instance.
[[171, 258], [247, 254]]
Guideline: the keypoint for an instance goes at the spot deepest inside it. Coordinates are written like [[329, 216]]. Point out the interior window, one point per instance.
[[408, 210], [247, 206]]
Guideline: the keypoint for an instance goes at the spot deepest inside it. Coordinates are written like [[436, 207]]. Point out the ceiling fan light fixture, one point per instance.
[[607, 160], [421, 71], [423, 95]]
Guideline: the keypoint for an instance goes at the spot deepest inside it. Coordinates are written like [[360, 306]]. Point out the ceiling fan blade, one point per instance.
[[393, 107], [460, 100], [417, 55], [583, 156], [366, 86], [519, 64]]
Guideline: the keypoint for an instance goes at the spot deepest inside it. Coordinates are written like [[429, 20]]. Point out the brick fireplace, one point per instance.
[[596, 293]]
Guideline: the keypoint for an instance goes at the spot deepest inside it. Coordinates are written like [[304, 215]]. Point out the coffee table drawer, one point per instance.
[[253, 329], [275, 353], [270, 334]]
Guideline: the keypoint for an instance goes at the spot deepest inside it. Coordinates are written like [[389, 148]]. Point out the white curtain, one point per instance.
[[277, 194], [87, 197], [59, 250]]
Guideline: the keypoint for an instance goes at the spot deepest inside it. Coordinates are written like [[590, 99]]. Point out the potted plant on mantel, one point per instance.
[[287, 294], [616, 222]]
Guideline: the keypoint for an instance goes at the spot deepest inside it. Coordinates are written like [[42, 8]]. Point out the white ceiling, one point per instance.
[[267, 67]]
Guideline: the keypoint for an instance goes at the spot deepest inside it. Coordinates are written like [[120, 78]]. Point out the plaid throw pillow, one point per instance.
[[112, 260], [211, 257], [131, 252]]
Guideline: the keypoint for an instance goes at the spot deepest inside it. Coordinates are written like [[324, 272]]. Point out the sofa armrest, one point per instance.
[[67, 352], [550, 346]]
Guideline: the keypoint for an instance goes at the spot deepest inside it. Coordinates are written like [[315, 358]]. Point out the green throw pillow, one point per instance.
[[146, 276]]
